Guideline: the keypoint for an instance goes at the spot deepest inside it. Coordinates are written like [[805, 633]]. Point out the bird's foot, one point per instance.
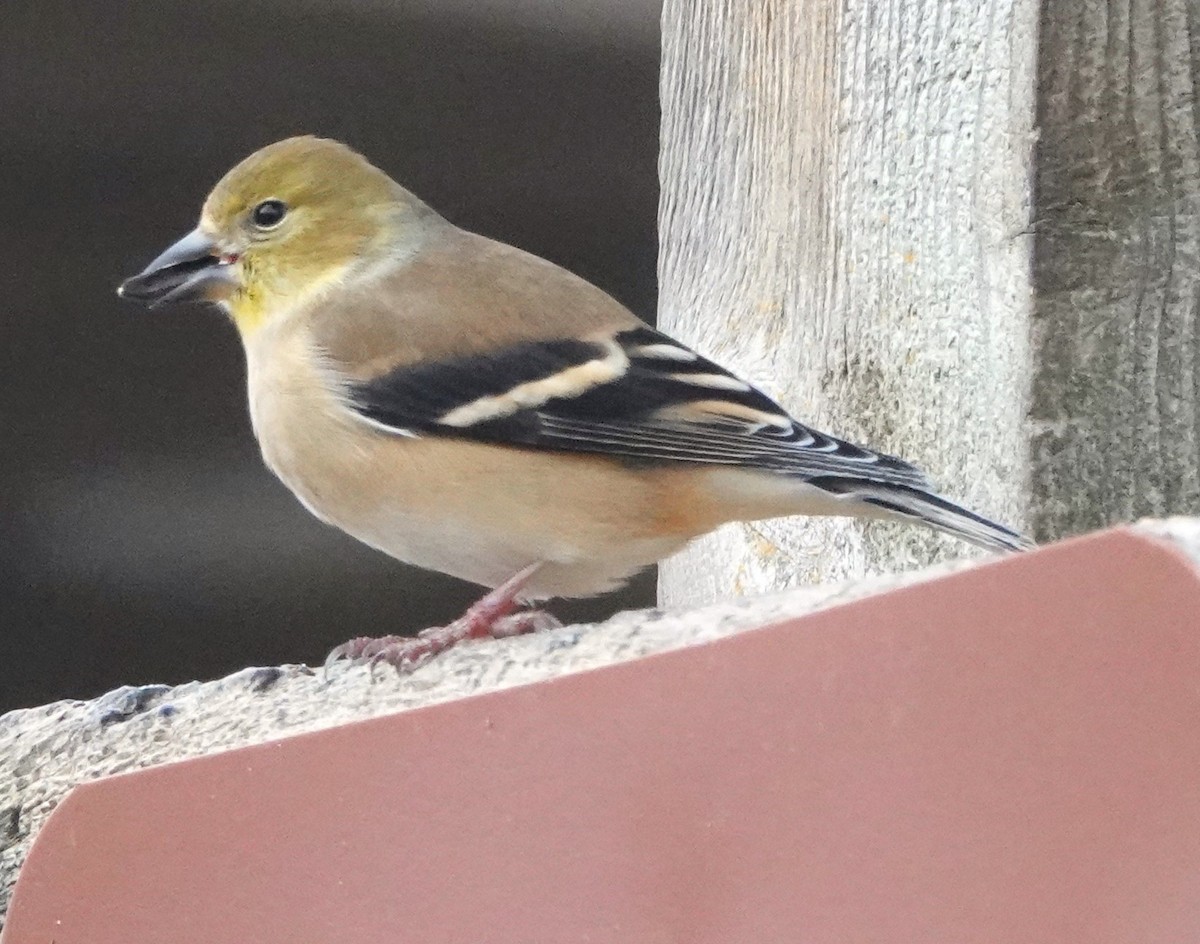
[[406, 653], [492, 616], [527, 621]]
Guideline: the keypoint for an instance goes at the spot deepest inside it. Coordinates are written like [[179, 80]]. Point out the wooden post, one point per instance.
[[853, 217], [1117, 264]]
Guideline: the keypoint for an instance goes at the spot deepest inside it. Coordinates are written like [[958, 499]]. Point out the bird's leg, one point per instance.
[[483, 615], [492, 615]]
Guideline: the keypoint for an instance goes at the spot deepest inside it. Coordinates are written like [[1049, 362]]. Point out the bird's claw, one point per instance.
[[491, 616], [360, 649], [529, 621], [406, 653]]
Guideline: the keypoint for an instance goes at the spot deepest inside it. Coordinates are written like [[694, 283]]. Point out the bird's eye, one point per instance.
[[268, 214]]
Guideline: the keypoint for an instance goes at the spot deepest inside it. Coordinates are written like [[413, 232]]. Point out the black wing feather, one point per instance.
[[414, 397], [623, 418]]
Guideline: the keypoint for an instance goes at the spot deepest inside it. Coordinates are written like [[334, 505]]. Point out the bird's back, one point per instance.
[[461, 294]]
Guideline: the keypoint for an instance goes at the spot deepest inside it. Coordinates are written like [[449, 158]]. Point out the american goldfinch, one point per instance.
[[468, 407]]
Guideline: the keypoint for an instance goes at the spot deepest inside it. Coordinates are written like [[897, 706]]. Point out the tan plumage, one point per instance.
[[465, 406]]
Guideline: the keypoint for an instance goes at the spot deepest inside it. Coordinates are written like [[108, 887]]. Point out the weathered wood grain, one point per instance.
[[858, 213], [1116, 348]]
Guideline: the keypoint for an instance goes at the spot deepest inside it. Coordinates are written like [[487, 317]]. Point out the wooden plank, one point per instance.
[[1116, 346], [845, 218]]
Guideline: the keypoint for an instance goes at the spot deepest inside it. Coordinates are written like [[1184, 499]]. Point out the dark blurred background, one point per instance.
[[140, 537]]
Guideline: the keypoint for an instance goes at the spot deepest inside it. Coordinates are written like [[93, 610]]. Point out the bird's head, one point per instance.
[[285, 223]]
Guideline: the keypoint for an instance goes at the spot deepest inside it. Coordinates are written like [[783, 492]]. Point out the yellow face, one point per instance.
[[284, 223]]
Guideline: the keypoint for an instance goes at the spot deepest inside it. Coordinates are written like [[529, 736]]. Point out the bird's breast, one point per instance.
[[300, 419], [394, 493]]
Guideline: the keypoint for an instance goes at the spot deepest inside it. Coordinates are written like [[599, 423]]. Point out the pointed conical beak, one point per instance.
[[191, 269]]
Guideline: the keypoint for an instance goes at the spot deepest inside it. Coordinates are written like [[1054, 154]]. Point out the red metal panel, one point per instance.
[[1007, 754]]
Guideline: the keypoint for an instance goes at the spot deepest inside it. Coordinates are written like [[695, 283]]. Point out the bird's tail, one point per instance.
[[914, 504]]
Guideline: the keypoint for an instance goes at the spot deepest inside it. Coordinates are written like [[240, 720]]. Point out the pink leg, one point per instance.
[[491, 616]]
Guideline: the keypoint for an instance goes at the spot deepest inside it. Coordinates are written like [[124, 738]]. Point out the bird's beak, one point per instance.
[[191, 269]]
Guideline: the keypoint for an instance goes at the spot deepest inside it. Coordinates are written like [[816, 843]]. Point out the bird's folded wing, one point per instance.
[[635, 395]]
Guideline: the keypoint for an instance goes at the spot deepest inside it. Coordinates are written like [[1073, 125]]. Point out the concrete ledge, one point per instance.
[[44, 752]]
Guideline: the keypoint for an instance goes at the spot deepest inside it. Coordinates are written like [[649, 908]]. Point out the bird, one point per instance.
[[471, 408]]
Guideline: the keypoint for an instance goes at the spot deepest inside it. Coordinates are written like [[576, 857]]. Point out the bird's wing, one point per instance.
[[635, 394]]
